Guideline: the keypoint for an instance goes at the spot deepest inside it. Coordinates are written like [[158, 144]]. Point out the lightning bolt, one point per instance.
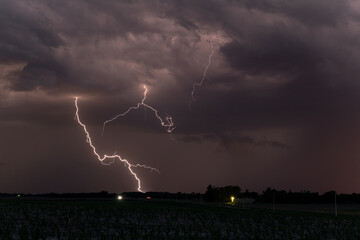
[[112, 157], [198, 84], [167, 123]]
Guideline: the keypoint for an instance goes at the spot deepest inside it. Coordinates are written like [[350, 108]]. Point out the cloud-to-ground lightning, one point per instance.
[[114, 156], [198, 84], [167, 123]]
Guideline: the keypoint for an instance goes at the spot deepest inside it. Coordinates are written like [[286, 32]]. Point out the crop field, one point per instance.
[[137, 219]]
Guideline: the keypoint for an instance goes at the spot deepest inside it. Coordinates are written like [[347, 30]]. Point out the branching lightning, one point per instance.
[[212, 41], [114, 156], [167, 123]]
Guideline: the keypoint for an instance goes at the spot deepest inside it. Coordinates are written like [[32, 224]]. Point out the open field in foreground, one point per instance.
[[137, 219]]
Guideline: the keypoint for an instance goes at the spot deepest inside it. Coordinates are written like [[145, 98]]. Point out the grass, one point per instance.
[[137, 219]]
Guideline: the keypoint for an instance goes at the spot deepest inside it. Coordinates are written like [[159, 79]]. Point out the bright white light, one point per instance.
[[166, 122], [119, 197], [114, 156]]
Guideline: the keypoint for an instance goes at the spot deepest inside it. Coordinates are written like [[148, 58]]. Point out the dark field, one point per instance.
[[137, 219]]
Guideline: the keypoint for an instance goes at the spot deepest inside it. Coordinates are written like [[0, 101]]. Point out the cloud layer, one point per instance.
[[282, 89]]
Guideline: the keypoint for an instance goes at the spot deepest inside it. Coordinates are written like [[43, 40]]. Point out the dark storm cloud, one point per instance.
[[38, 33], [191, 139], [318, 13], [276, 52], [226, 140], [189, 25], [38, 73], [277, 66], [27, 37]]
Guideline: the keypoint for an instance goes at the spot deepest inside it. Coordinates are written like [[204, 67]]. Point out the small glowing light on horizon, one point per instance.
[[232, 199], [119, 197]]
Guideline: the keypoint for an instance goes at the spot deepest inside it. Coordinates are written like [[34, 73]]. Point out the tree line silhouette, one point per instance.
[[164, 195], [223, 194], [214, 194]]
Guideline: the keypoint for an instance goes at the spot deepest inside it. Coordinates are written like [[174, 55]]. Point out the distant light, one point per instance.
[[18, 195], [148, 197], [232, 199], [119, 197]]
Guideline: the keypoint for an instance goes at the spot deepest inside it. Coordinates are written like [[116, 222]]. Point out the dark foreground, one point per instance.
[[131, 219]]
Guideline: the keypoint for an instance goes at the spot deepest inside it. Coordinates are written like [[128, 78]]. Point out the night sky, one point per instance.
[[280, 106]]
